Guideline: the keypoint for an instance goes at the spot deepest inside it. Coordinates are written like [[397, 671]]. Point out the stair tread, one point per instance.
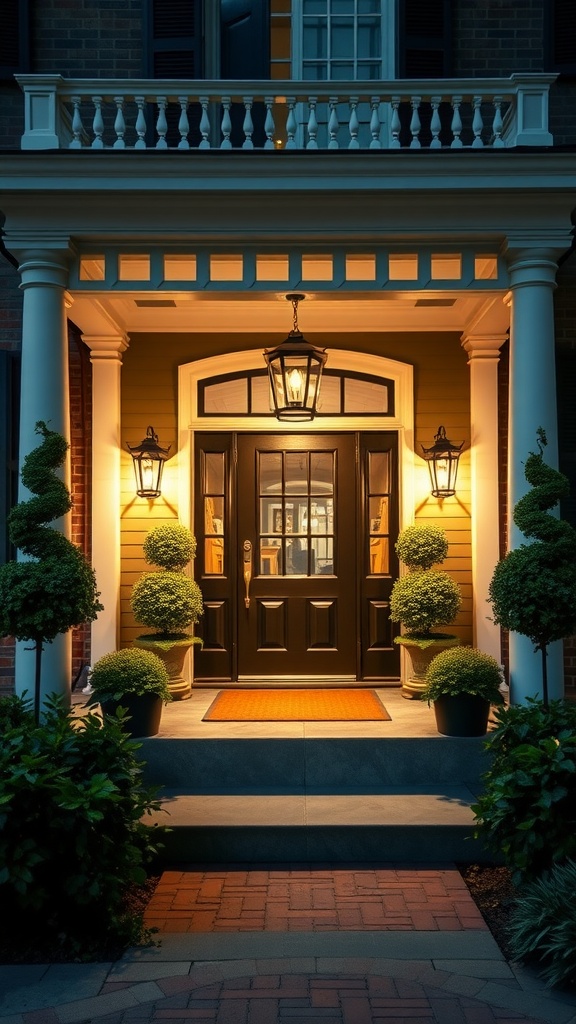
[[401, 806]]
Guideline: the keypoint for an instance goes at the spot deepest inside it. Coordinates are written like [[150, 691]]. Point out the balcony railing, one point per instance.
[[285, 115]]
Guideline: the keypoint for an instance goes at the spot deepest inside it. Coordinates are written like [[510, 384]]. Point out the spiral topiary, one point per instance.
[[425, 597], [533, 588], [55, 588], [167, 601]]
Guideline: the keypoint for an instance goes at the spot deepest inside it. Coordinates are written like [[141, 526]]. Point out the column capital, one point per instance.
[[483, 346], [532, 266], [106, 348], [43, 268]]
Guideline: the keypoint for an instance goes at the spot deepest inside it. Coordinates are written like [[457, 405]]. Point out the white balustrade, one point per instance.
[[179, 114]]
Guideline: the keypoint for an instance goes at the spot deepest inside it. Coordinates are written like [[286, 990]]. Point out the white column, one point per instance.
[[484, 354], [532, 404], [106, 358], [44, 396]]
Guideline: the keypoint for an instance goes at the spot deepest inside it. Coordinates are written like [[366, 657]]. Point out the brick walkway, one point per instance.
[[304, 999], [315, 898]]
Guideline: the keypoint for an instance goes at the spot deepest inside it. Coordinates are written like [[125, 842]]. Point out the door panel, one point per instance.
[[299, 516]]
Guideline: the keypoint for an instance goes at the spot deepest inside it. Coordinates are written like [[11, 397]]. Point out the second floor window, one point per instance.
[[342, 39]]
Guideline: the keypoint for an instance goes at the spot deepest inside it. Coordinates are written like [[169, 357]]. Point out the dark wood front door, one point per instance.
[[296, 524], [295, 555]]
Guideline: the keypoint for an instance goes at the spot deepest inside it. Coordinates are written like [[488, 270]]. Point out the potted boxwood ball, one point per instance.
[[421, 599], [168, 601], [135, 680], [462, 683]]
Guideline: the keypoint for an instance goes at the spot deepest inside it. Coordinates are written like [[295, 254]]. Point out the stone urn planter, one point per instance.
[[169, 601], [421, 599]]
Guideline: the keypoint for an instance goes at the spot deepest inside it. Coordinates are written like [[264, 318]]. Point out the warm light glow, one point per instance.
[[442, 474], [295, 386], [148, 474]]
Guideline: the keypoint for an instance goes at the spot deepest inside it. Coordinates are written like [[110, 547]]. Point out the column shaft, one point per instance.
[[532, 404], [106, 358], [44, 395]]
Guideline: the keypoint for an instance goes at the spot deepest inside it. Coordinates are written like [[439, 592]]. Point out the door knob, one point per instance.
[[247, 569]]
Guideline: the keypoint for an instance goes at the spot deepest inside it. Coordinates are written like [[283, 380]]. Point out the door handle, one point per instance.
[[247, 569]]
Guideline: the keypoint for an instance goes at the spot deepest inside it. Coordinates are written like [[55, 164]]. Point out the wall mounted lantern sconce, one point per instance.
[[149, 459], [295, 369], [442, 458]]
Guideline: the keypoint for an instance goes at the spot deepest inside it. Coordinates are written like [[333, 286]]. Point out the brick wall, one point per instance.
[[88, 38], [497, 37], [81, 461]]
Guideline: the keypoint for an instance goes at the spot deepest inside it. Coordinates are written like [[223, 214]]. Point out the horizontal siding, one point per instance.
[[441, 392]]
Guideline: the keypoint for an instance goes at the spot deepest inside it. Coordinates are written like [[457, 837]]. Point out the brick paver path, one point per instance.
[[304, 998], [312, 898]]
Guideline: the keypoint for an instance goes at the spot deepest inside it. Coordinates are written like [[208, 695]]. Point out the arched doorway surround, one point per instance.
[[399, 423]]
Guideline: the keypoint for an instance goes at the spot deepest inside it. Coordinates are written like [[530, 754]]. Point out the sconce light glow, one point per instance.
[[148, 459], [443, 458]]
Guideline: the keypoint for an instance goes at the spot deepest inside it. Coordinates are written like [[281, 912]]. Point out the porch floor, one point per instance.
[[409, 719]]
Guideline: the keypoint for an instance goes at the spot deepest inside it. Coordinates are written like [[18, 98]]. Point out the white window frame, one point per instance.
[[388, 48]]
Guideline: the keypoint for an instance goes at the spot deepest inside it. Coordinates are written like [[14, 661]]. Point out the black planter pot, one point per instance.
[[464, 714], [145, 711]]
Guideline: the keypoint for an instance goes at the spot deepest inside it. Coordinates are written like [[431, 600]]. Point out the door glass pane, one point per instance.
[[270, 473], [378, 527], [379, 472], [213, 489], [323, 555], [213, 473], [296, 470], [321, 473]]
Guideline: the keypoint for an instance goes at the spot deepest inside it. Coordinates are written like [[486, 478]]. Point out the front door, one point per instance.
[[295, 555]]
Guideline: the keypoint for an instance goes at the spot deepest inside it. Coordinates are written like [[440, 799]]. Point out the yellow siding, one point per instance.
[[441, 393]]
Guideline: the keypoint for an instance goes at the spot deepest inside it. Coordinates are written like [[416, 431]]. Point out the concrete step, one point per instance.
[[416, 824], [332, 765]]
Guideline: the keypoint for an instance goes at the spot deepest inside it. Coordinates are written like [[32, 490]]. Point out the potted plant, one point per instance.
[[423, 598], [168, 601], [462, 683], [136, 680]]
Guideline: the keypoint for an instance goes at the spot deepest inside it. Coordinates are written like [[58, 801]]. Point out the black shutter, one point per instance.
[[424, 39], [560, 37], [174, 39], [9, 419], [14, 38], [244, 39]]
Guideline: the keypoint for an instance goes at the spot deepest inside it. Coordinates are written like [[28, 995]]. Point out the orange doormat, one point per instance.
[[295, 705]]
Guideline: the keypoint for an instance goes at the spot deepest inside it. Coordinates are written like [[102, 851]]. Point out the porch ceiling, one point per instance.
[[262, 313]]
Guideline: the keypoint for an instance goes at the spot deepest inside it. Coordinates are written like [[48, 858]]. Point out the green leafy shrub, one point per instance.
[[168, 601], [171, 546], [527, 810], [421, 547], [425, 597], [133, 671], [55, 587], [72, 842], [543, 927], [463, 670], [533, 589]]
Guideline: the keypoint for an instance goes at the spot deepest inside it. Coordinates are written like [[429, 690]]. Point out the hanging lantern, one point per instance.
[[149, 459], [442, 459], [295, 368]]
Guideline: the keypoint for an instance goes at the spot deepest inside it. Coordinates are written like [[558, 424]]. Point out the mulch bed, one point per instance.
[[495, 896]]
